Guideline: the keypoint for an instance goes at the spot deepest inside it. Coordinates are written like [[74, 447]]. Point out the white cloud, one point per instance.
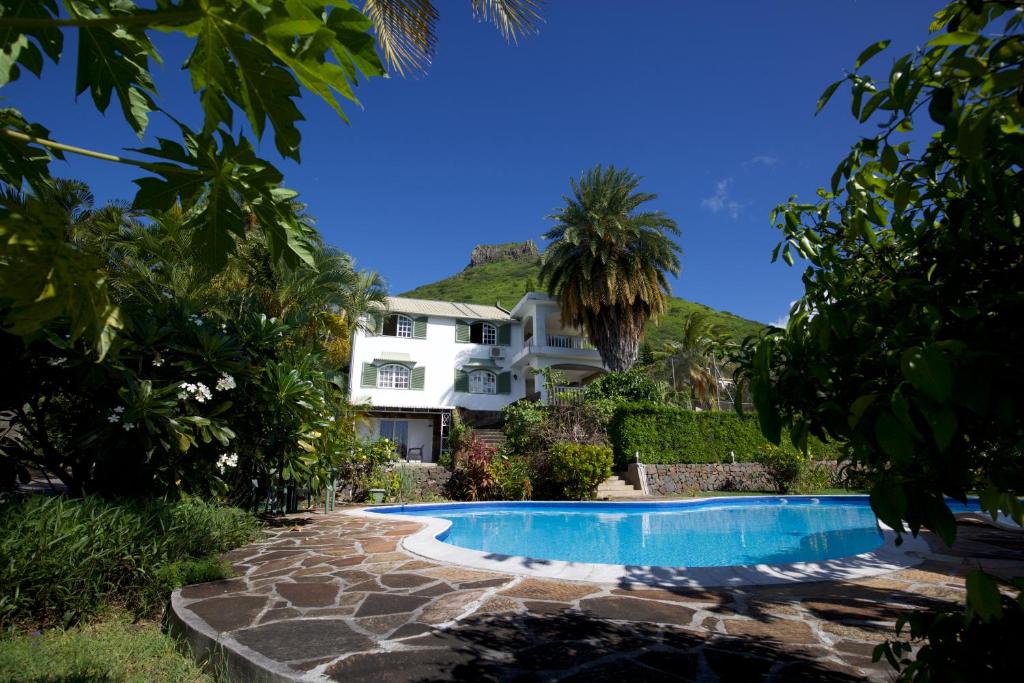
[[721, 202], [782, 320], [761, 160]]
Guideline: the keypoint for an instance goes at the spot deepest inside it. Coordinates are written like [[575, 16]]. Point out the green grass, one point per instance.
[[507, 281], [66, 559], [109, 649]]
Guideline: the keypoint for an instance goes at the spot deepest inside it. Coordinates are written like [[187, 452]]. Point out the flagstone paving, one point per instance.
[[334, 598]]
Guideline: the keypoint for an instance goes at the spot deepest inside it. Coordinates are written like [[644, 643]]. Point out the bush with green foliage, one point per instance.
[[579, 468], [522, 423], [64, 559], [668, 434], [783, 467], [511, 478], [634, 386]]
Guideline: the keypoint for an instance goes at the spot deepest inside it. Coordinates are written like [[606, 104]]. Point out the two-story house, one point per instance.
[[423, 359]]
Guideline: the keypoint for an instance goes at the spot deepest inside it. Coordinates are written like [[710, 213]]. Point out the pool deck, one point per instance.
[[336, 598]]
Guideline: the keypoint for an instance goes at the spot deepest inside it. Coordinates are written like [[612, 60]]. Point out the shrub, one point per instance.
[[471, 479], [782, 467], [632, 385], [814, 478], [579, 468], [668, 434], [65, 558], [510, 478], [523, 424]]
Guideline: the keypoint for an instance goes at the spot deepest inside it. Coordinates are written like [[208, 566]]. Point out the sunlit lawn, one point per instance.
[[112, 648]]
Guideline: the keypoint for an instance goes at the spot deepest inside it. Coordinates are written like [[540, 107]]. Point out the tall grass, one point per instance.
[[63, 559]]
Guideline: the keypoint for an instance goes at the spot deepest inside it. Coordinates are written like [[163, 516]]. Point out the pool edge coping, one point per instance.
[[886, 559]]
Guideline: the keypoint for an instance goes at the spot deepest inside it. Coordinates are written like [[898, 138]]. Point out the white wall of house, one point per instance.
[[439, 354]]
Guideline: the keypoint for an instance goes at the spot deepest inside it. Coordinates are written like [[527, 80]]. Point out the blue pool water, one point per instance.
[[721, 532]]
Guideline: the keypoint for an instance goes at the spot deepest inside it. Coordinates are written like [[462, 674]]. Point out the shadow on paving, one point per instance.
[[574, 646]]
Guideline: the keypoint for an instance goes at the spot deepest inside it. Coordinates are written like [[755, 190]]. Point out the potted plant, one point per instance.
[[377, 489]]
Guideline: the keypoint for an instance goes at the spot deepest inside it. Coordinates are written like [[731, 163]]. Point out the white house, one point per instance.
[[423, 359]]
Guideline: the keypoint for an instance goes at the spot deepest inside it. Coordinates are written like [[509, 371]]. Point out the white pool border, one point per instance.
[[885, 559]]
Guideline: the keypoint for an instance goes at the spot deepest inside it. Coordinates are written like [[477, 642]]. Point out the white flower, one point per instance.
[[112, 418], [128, 426], [119, 409], [57, 362], [157, 362], [165, 294], [227, 460], [198, 391], [203, 393], [330, 418], [225, 382]]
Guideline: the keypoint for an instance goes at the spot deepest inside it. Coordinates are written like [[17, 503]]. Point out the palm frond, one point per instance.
[[512, 17], [406, 32]]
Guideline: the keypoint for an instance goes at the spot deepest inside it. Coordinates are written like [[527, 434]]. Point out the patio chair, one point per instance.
[[414, 454]]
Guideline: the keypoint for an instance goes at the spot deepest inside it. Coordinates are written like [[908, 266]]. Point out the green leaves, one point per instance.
[[256, 57], [20, 48], [983, 597], [116, 61], [225, 187], [827, 95], [869, 52], [929, 372]]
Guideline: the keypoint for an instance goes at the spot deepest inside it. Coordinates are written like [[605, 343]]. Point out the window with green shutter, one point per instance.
[[369, 377], [462, 331], [418, 378], [504, 334], [504, 382], [419, 328], [461, 382]]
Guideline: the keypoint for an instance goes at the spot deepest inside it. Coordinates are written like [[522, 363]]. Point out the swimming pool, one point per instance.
[[774, 534]]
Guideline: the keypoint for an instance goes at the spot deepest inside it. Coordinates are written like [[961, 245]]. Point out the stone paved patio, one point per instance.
[[334, 598]]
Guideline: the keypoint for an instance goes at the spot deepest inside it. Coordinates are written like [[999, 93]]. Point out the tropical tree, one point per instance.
[[906, 344], [608, 262], [690, 361], [250, 62]]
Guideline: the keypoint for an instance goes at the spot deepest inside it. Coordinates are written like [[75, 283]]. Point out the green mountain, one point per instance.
[[505, 280]]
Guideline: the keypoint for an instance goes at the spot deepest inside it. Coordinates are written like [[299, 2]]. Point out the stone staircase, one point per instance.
[[616, 486], [493, 437]]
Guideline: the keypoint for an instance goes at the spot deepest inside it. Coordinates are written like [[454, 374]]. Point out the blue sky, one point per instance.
[[712, 103]]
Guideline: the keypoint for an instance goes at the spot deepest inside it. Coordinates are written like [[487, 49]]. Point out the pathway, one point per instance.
[[334, 598]]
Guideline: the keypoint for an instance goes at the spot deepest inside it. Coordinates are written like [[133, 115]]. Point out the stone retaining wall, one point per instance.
[[422, 482], [426, 481], [668, 480]]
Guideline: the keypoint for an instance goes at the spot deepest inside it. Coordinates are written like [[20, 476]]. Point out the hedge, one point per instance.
[[667, 435]]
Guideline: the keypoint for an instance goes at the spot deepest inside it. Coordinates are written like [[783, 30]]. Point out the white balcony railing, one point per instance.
[[569, 341], [564, 396]]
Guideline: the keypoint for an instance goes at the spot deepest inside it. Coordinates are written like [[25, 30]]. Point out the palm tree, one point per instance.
[[691, 359], [608, 262], [407, 29]]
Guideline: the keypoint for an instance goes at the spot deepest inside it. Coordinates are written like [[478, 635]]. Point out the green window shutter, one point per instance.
[[504, 383], [461, 382], [369, 378], [417, 378], [504, 334], [419, 328], [461, 331]]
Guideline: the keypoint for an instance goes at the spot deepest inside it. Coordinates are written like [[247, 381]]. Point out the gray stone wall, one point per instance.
[[426, 481], [668, 480]]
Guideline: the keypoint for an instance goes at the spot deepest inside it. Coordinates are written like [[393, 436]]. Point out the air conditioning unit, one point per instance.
[[497, 352]]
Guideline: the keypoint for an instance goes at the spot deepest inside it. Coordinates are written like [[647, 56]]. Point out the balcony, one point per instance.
[[566, 347], [566, 396], [567, 341]]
